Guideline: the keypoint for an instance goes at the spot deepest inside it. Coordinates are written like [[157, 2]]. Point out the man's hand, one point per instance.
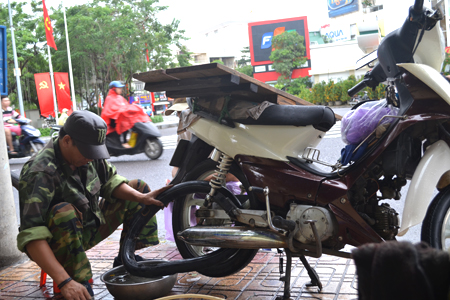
[[149, 198], [76, 291]]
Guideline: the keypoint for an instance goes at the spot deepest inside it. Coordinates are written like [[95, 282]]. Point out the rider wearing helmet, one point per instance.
[[119, 115]]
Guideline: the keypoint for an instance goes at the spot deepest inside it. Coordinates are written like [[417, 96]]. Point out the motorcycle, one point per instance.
[[147, 141], [287, 201], [28, 142]]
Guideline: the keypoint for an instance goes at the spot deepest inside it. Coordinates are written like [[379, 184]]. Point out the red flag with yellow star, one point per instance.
[[48, 28], [62, 89]]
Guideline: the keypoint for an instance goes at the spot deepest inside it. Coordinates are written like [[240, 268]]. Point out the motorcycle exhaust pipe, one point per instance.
[[233, 237]]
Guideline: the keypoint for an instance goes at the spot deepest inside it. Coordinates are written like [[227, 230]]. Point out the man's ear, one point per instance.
[[66, 141]]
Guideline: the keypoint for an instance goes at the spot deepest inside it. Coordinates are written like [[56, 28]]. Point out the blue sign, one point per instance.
[[266, 41], [341, 7], [3, 62]]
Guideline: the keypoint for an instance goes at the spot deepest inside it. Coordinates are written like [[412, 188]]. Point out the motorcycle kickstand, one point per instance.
[[287, 277], [315, 280]]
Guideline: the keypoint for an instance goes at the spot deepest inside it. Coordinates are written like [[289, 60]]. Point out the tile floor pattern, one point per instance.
[[258, 281]]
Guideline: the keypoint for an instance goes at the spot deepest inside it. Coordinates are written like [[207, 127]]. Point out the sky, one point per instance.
[[200, 15]]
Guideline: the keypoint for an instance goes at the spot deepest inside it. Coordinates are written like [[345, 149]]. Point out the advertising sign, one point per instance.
[[3, 65], [341, 7], [336, 33], [261, 34]]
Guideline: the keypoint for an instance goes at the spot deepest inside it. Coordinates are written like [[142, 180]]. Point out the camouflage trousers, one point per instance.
[[70, 240]]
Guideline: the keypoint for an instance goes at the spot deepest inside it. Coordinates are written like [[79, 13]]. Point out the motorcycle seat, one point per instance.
[[320, 117]]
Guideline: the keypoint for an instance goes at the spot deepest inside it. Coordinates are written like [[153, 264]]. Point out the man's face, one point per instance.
[[72, 155]]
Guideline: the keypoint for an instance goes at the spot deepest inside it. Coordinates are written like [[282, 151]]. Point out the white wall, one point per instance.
[[334, 58]]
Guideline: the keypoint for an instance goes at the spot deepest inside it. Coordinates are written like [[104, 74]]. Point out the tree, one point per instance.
[[245, 58], [29, 48], [183, 56], [288, 53], [243, 63]]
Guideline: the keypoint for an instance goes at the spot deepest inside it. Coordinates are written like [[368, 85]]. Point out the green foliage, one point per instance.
[[245, 58], [297, 85], [324, 93], [289, 53], [446, 62], [157, 119], [184, 57], [44, 131], [247, 70], [217, 61], [109, 40]]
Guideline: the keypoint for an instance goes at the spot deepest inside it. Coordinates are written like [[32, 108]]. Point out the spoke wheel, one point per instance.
[[184, 217]]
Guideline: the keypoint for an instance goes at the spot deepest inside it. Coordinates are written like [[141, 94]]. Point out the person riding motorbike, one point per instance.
[[8, 122], [119, 115]]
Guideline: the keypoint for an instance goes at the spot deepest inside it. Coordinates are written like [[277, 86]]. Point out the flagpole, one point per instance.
[[72, 88], [16, 67], [55, 105]]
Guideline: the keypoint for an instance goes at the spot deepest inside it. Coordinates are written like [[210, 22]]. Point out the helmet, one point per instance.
[[116, 84]]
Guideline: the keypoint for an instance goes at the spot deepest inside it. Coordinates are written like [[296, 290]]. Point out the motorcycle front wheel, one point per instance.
[[436, 225], [184, 217], [153, 148]]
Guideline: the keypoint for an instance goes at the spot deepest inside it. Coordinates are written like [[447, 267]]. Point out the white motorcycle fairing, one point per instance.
[[434, 163], [269, 141], [432, 78]]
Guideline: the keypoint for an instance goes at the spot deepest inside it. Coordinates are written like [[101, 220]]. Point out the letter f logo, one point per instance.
[[266, 41]]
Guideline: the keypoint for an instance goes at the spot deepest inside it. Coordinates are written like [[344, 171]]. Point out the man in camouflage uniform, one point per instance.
[[61, 215]]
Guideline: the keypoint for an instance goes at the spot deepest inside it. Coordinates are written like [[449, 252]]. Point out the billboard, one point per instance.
[[341, 7], [3, 63], [261, 34]]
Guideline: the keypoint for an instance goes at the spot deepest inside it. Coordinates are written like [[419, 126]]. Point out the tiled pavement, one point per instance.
[[259, 280]]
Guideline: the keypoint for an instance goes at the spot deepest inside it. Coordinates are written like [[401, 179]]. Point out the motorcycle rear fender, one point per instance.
[[189, 154], [434, 163]]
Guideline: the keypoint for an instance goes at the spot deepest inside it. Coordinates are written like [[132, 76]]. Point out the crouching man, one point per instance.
[[60, 211]]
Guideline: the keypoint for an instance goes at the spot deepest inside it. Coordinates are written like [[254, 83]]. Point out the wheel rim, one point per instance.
[[445, 234], [151, 148], [191, 204]]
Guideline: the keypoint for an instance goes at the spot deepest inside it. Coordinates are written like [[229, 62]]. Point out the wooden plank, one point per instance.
[[242, 91], [191, 83]]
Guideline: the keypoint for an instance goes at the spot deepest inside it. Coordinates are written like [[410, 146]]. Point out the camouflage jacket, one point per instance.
[[46, 179]]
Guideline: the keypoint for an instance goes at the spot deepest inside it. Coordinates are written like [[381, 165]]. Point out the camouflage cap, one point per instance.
[[89, 132]]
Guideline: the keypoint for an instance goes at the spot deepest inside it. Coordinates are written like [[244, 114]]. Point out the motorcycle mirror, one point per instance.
[[366, 60]]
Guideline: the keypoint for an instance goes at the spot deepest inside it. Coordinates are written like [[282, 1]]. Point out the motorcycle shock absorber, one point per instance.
[[219, 176]]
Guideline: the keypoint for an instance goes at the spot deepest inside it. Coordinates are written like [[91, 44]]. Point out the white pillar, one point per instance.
[[9, 254]]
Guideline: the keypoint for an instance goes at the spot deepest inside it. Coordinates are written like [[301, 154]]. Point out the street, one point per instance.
[[156, 172]]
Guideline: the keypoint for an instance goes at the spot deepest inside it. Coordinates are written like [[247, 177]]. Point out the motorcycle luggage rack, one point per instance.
[[311, 155]]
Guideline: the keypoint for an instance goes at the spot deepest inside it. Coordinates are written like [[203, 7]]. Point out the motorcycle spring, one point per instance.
[[223, 167]]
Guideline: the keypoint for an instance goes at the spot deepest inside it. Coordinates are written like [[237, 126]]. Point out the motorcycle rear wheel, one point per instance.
[[153, 148], [436, 225], [181, 219]]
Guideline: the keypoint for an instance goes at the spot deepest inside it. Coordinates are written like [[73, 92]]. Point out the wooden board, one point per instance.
[[213, 80]]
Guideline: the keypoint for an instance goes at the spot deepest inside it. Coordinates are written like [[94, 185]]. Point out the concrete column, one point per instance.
[[9, 254]]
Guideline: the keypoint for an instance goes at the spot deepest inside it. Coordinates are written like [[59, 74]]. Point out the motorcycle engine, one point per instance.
[[325, 222]]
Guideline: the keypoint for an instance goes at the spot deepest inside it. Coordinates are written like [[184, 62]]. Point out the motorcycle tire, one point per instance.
[[181, 218], [437, 219], [153, 148]]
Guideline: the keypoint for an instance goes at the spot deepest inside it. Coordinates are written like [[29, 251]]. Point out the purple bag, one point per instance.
[[359, 123]]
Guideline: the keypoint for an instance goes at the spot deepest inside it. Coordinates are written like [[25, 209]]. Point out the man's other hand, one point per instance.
[[76, 291]]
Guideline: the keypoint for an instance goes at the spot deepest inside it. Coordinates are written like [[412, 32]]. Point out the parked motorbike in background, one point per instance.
[[287, 201], [29, 142]]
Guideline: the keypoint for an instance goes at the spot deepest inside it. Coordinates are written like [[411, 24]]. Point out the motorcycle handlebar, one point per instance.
[[354, 90], [418, 5]]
